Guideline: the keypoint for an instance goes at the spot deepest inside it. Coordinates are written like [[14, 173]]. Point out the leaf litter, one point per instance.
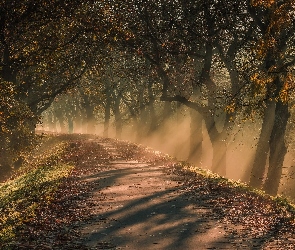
[[56, 221]]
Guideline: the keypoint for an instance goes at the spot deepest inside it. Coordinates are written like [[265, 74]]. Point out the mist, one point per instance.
[[172, 137]]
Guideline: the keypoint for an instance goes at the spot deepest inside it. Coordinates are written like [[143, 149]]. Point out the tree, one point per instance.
[[275, 81], [174, 38], [45, 48], [15, 134]]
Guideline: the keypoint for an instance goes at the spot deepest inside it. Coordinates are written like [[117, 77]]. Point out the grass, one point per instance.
[[280, 200], [32, 185], [36, 183]]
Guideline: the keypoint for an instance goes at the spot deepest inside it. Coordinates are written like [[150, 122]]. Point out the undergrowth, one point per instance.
[[31, 186]]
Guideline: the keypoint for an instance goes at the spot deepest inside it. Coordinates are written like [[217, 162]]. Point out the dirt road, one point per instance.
[[140, 203], [140, 206], [125, 196]]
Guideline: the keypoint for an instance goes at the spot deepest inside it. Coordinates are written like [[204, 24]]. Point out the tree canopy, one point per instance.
[[222, 59]]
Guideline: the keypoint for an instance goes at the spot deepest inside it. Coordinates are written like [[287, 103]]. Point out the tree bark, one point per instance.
[[167, 111], [141, 125], [196, 138], [219, 157], [259, 164], [90, 120], [152, 113], [89, 111], [107, 116], [70, 123], [61, 120], [118, 117], [219, 145], [278, 149]]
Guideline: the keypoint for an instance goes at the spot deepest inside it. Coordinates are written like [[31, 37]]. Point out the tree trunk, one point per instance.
[[70, 123], [152, 113], [51, 122], [77, 123], [167, 111], [278, 149], [147, 119], [259, 164], [118, 117], [90, 120], [61, 122], [107, 116], [196, 138], [219, 157], [219, 145]]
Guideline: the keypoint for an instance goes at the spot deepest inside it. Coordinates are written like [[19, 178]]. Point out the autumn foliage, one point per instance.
[[16, 135]]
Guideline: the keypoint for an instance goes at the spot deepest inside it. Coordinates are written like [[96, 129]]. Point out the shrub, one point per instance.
[[17, 124]]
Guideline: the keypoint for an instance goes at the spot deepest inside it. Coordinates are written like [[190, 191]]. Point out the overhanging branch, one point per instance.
[[185, 101]]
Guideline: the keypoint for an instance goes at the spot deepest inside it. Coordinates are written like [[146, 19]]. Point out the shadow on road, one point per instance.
[[138, 206]]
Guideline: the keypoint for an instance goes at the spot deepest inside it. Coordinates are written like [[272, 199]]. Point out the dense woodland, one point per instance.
[[139, 69]]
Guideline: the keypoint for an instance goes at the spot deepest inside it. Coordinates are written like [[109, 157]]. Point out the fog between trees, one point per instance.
[[173, 136], [211, 82]]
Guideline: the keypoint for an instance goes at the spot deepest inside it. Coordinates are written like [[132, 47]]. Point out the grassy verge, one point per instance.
[[32, 186], [281, 201]]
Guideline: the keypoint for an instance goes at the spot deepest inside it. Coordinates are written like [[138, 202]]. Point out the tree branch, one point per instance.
[[183, 100]]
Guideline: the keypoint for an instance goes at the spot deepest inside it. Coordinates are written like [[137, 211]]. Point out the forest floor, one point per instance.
[[120, 195]]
